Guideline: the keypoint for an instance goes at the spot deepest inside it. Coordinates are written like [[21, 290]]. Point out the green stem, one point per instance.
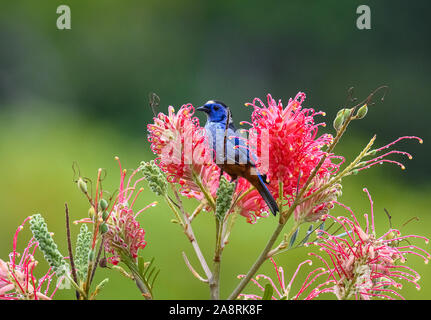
[[207, 196], [215, 280], [83, 294], [262, 257], [174, 210], [133, 268]]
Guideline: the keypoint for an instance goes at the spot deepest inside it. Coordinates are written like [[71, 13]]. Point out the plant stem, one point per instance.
[[141, 285], [130, 263], [215, 279], [69, 248], [262, 257], [82, 294], [188, 230]]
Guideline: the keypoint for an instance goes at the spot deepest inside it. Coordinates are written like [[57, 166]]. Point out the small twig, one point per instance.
[[191, 236], [69, 248], [97, 260], [197, 211], [193, 271]]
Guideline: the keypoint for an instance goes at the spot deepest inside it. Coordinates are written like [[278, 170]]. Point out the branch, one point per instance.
[[69, 248]]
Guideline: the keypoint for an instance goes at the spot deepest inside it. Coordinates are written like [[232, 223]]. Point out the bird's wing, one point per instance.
[[237, 151]]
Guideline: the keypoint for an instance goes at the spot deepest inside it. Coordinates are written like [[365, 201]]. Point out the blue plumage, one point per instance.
[[237, 161]]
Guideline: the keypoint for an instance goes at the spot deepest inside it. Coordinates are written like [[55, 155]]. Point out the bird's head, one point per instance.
[[216, 111]]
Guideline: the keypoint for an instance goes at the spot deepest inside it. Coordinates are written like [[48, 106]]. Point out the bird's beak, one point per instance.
[[204, 109]]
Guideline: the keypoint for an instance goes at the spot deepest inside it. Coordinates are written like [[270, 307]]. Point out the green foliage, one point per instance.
[[47, 245], [83, 243], [148, 271]]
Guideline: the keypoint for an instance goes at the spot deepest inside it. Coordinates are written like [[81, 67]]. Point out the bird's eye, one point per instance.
[[216, 108]]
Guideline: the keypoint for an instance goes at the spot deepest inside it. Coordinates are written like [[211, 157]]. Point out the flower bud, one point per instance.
[[103, 228], [362, 112], [224, 198], [339, 121], [155, 176], [83, 243], [105, 215], [47, 245], [91, 212], [103, 204], [82, 185], [103, 262], [390, 236]]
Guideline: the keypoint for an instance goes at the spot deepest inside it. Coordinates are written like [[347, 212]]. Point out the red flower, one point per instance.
[[287, 149], [286, 142]]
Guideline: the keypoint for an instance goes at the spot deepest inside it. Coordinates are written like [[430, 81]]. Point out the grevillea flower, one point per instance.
[[287, 149], [124, 232], [17, 279], [183, 152], [382, 158], [185, 156], [319, 204], [363, 265], [282, 291], [286, 142]]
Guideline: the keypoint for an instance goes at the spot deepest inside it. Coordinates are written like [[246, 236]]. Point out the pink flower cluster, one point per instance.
[[282, 291], [17, 278], [183, 151], [123, 230], [362, 265], [294, 147]]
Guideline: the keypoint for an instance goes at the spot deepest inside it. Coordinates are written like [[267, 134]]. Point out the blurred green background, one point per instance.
[[82, 95]]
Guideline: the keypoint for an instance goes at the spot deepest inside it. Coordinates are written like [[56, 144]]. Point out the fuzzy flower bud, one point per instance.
[[47, 245], [155, 176], [82, 185], [224, 197], [83, 244]]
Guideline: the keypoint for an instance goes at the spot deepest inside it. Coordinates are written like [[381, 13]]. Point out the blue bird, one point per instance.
[[237, 161]]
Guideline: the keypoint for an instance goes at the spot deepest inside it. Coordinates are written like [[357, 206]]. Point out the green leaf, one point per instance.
[[267, 294], [141, 265], [307, 235], [293, 238]]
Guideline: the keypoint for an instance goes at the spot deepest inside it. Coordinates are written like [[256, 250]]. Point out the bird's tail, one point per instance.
[[267, 196]]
